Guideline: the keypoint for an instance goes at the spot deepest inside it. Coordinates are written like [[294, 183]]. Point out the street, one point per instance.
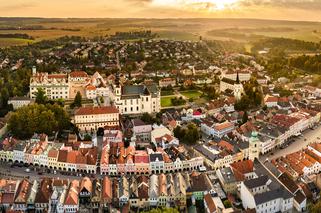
[[309, 136], [20, 172]]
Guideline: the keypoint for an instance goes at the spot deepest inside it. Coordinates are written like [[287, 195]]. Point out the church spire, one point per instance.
[[117, 79], [237, 78]]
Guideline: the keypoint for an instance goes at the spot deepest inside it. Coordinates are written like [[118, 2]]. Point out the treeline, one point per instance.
[[36, 27], [32, 27], [310, 64], [133, 35], [286, 44], [17, 35]]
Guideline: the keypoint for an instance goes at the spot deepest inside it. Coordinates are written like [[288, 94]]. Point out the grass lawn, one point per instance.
[[200, 101], [166, 101], [191, 94]]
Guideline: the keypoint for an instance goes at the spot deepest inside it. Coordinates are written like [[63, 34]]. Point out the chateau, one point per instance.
[[129, 99]]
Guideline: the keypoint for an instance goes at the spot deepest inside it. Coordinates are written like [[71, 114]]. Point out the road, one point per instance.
[[19, 172], [300, 142]]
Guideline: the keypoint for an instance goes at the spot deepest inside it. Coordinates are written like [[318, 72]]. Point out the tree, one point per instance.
[[41, 97], [38, 118], [245, 118], [87, 137], [102, 100], [77, 100], [227, 204], [147, 118], [188, 135], [4, 97], [179, 132], [162, 210]]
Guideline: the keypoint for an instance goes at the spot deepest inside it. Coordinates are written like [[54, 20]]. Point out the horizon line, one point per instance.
[[166, 18]]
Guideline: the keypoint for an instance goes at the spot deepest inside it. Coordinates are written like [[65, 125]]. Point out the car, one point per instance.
[[27, 170], [39, 173]]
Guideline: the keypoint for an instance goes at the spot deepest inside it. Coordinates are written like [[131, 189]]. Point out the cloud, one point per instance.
[[297, 4], [269, 9]]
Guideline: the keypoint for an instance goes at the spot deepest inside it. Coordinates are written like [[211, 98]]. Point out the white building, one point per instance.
[[234, 85], [216, 129], [266, 195], [54, 85], [18, 102], [137, 99], [92, 118]]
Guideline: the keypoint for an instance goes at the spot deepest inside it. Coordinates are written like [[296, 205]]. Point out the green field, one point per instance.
[[166, 101], [191, 94], [6, 42]]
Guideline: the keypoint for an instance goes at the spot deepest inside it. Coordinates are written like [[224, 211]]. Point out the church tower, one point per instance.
[[117, 85], [254, 146], [238, 88]]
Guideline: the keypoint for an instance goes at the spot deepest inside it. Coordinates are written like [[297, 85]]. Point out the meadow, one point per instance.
[[241, 30]]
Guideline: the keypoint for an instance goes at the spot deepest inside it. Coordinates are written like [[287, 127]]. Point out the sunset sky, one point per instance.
[[263, 9]]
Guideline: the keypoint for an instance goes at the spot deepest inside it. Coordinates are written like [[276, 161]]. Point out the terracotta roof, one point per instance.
[[107, 193], [210, 203], [44, 192], [90, 87], [53, 153], [23, 191], [241, 168], [71, 157], [76, 74], [57, 76], [96, 110], [72, 197], [7, 198], [272, 99], [86, 184], [226, 145], [62, 157], [224, 125], [141, 157]]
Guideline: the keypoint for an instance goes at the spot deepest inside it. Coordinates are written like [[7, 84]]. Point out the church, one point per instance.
[[235, 86], [136, 99]]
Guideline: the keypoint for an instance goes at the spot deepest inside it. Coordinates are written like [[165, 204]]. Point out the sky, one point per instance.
[[302, 10]]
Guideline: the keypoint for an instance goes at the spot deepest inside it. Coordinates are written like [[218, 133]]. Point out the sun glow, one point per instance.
[[208, 5]]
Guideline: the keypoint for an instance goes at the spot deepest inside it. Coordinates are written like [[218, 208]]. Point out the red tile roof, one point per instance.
[[72, 197], [241, 168], [76, 74], [96, 110], [107, 193], [210, 203]]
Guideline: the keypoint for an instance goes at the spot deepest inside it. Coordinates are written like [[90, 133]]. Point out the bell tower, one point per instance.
[[254, 146], [238, 88]]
